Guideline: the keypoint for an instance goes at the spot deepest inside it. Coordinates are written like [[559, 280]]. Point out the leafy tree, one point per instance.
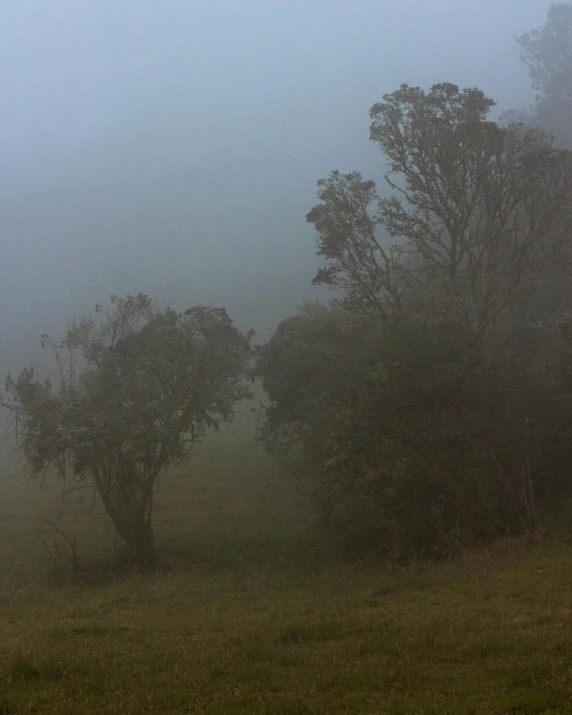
[[357, 261], [547, 53], [415, 433], [306, 369], [137, 388], [478, 211], [412, 442]]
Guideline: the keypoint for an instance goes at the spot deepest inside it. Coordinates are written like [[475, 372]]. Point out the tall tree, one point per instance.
[[476, 214], [547, 53], [137, 387]]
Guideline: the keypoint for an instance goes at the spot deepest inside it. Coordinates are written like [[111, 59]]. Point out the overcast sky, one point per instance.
[[173, 146]]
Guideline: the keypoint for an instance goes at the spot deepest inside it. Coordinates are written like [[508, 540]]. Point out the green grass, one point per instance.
[[252, 611]]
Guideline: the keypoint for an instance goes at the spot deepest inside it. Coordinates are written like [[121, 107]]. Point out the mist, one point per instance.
[[173, 148], [367, 506]]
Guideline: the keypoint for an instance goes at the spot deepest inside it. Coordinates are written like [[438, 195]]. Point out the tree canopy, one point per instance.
[[477, 212], [547, 52], [426, 406], [136, 388]]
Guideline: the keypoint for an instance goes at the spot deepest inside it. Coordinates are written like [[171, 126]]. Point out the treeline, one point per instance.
[[429, 406]]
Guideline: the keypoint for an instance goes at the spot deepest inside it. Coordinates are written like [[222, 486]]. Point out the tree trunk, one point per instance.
[[129, 503], [138, 541]]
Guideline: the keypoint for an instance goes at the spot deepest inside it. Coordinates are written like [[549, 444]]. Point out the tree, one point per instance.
[[418, 408], [547, 53], [412, 442], [137, 388], [305, 369], [357, 262], [478, 211]]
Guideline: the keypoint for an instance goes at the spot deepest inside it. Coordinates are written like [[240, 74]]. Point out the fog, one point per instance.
[[173, 147]]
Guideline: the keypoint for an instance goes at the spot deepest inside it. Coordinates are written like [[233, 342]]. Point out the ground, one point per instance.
[[253, 611]]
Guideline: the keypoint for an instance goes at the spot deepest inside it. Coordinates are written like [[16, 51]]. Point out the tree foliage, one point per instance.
[[413, 442], [424, 409], [357, 262], [547, 53], [136, 389], [477, 213]]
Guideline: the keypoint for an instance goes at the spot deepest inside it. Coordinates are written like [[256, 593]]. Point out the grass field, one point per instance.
[[253, 611]]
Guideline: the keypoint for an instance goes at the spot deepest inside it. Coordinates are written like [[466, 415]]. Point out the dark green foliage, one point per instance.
[[415, 442], [136, 388], [428, 407]]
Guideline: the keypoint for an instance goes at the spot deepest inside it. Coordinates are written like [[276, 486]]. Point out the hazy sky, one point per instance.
[[173, 146]]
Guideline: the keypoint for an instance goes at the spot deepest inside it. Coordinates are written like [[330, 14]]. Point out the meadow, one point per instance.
[[254, 610]]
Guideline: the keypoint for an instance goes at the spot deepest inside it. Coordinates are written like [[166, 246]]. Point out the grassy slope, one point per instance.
[[256, 615]]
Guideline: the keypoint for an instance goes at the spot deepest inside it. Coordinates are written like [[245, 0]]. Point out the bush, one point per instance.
[[414, 440]]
